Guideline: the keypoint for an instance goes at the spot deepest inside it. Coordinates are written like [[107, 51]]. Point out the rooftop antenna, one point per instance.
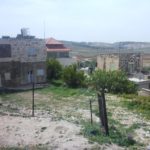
[[44, 28]]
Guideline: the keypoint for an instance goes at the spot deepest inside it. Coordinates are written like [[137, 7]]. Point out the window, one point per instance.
[[7, 76], [40, 72], [5, 50], [32, 51]]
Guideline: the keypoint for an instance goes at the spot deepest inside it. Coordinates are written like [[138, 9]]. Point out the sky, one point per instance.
[[78, 20]]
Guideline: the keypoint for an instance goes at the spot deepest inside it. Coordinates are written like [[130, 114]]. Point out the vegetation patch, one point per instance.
[[117, 134], [141, 104], [63, 91]]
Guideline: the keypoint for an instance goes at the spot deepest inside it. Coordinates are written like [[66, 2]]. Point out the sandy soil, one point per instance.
[[28, 132], [19, 131]]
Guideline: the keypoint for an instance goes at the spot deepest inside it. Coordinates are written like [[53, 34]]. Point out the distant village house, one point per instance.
[[57, 50]]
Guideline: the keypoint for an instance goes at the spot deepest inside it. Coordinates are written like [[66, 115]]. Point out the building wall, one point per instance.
[[38, 74], [144, 84], [57, 54], [128, 62], [146, 60], [25, 50], [108, 62], [10, 73], [28, 59]]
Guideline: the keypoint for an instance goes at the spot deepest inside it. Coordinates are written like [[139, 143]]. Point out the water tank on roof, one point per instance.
[[25, 32]]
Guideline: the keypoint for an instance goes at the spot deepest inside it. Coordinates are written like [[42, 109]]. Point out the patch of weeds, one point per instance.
[[62, 91], [57, 82], [14, 98], [117, 134], [128, 96], [140, 104]]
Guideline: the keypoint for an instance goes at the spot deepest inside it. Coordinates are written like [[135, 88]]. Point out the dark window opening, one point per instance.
[[5, 50]]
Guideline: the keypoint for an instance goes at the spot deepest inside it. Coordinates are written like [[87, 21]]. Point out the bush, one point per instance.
[[113, 81], [119, 83], [54, 69], [73, 77]]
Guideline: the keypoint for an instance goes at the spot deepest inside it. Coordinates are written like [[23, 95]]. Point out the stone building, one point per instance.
[[146, 60], [128, 62], [108, 62], [22, 60]]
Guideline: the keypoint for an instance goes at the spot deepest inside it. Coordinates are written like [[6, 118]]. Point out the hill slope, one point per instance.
[[94, 48]]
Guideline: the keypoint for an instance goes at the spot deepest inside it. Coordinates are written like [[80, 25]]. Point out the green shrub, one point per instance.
[[73, 77], [54, 69], [113, 81]]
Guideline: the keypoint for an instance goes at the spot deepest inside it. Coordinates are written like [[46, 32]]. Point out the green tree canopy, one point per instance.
[[54, 69], [112, 81], [73, 77]]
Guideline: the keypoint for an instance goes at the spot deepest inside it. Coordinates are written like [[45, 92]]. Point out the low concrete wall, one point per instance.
[[144, 92]]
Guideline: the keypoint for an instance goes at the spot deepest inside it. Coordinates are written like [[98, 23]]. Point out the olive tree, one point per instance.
[[111, 81]]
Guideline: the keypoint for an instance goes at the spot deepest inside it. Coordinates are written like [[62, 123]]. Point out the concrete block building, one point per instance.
[[128, 62], [146, 60], [22, 60], [108, 62]]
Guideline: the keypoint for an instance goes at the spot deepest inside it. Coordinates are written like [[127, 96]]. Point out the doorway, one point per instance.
[[0, 81]]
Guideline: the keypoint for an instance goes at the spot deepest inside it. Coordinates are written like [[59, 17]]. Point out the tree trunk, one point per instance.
[[100, 109], [104, 113]]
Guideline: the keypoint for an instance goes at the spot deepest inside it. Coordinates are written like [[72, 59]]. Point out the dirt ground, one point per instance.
[[57, 128], [20, 132]]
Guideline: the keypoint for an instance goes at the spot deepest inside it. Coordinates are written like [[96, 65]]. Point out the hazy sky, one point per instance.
[[78, 20]]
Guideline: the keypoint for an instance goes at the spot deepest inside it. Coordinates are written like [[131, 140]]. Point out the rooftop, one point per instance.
[[55, 46], [52, 41]]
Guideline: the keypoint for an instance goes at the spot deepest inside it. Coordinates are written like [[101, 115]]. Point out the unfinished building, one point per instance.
[[128, 62], [22, 60]]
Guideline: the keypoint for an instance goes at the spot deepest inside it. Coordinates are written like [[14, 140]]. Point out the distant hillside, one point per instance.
[[94, 48]]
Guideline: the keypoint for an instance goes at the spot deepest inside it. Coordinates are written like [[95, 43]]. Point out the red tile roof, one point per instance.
[[52, 41], [53, 45]]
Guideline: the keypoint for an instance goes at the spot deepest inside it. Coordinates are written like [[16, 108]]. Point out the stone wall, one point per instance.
[[108, 62], [25, 50], [130, 62], [15, 74], [146, 60], [38, 70], [10, 73]]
